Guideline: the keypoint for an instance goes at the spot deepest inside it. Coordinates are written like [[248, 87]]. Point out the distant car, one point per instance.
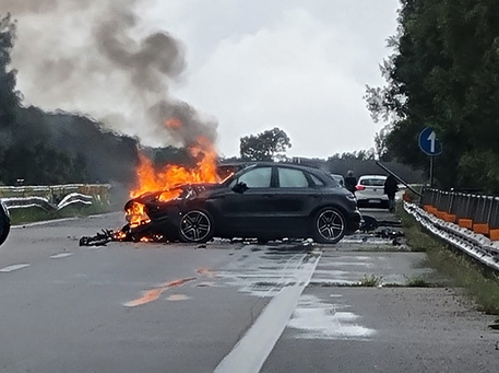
[[266, 201], [370, 191], [339, 179]]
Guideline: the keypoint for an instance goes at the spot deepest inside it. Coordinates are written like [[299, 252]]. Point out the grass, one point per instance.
[[418, 282], [481, 283], [34, 214], [370, 281]]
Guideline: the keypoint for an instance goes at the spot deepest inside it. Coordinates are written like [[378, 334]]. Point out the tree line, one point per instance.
[[444, 74], [59, 147]]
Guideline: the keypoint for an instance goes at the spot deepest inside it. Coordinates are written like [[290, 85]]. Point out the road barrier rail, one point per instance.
[[475, 245], [467, 221], [55, 197], [476, 212]]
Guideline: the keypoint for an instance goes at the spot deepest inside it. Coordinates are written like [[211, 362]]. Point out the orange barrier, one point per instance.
[[431, 210], [466, 223], [481, 228], [441, 214], [450, 218], [494, 234]]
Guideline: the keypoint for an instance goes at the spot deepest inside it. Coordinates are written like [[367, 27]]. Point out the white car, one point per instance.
[[339, 179], [370, 191]]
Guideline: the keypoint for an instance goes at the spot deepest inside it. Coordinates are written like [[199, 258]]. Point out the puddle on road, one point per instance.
[[206, 284], [315, 319], [265, 273], [206, 272], [177, 297]]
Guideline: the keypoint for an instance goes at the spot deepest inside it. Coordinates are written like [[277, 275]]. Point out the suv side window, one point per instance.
[[316, 180], [289, 178], [256, 178]]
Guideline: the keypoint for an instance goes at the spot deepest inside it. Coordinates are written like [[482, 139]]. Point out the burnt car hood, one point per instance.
[[193, 190]]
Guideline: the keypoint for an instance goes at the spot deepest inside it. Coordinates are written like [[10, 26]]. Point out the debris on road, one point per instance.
[[100, 239]]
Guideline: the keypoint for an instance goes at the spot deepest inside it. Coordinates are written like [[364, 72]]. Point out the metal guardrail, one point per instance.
[[477, 212], [54, 197], [475, 245]]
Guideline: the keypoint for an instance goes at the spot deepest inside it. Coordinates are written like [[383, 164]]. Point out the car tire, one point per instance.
[[329, 226], [196, 226]]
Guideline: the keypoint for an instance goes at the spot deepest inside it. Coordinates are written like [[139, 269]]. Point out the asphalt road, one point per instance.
[[228, 307]]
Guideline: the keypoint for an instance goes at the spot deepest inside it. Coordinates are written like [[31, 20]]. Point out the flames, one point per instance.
[[151, 180], [167, 179], [136, 215]]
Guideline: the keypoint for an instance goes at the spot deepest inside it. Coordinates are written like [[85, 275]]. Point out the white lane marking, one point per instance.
[[45, 222], [14, 267], [61, 255], [250, 353], [103, 215], [42, 223]]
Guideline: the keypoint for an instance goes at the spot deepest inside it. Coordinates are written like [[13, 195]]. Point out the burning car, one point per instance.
[[266, 201]]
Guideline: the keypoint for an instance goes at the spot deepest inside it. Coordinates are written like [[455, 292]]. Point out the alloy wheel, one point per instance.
[[330, 225], [195, 226]]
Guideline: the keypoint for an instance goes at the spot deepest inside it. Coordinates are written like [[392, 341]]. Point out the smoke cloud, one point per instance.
[[96, 57]]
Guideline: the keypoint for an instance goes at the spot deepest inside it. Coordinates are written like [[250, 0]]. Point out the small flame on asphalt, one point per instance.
[[154, 294]]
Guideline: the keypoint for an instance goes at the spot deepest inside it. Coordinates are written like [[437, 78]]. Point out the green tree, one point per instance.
[[361, 155], [8, 97], [381, 149], [269, 145], [444, 73]]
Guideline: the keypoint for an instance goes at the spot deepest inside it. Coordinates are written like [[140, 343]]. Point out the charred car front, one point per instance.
[[266, 201]]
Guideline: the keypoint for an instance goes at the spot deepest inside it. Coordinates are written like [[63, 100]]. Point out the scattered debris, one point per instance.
[[100, 239], [123, 235], [388, 233]]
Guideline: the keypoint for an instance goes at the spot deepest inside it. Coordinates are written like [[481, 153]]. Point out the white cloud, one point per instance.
[[299, 74]]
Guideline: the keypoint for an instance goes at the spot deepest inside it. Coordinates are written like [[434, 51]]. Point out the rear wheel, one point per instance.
[[329, 226], [196, 226]]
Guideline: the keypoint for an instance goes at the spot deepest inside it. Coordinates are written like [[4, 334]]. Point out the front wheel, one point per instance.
[[328, 226], [196, 226]]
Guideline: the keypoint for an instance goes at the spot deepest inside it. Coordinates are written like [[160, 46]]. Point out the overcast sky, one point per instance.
[[254, 65]]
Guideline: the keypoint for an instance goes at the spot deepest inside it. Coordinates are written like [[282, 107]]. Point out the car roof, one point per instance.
[[323, 175], [372, 177], [285, 164]]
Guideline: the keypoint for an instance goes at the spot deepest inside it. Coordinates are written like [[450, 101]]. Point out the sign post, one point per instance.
[[430, 145]]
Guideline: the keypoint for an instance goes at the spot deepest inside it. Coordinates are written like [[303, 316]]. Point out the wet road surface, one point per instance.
[[229, 307]]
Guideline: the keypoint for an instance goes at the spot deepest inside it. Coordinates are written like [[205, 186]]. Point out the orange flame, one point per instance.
[[173, 123], [136, 215], [205, 171]]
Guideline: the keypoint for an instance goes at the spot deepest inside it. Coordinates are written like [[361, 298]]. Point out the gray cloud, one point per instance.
[[96, 57]]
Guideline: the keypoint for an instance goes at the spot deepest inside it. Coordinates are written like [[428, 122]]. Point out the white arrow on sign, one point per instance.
[[432, 138]]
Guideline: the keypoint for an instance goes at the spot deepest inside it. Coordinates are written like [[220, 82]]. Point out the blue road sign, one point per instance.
[[428, 142]]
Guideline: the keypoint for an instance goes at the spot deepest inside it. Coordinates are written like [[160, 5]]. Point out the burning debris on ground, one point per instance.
[[123, 235]]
